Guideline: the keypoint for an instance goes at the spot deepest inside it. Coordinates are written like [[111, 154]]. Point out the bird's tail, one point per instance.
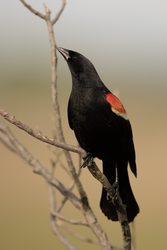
[[125, 192]]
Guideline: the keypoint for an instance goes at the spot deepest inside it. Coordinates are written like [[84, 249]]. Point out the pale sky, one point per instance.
[[129, 35]]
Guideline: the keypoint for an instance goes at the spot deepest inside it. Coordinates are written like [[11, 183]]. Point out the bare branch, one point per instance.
[[83, 238], [58, 153], [65, 198], [78, 236], [54, 75], [59, 13], [40, 136], [55, 229], [70, 188], [5, 140], [69, 220], [62, 238], [33, 10], [38, 168]]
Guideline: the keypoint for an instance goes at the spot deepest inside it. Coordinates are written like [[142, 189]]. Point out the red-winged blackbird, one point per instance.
[[102, 128]]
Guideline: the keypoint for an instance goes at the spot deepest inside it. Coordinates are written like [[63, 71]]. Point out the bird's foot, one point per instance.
[[115, 190], [88, 159], [115, 186]]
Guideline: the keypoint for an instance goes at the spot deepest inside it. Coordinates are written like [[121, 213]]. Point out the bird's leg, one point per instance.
[[116, 184], [88, 159], [115, 187]]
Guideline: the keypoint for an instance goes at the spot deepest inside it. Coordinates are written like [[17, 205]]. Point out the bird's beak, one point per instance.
[[64, 52]]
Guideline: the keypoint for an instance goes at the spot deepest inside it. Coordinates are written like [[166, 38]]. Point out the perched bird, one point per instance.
[[102, 128]]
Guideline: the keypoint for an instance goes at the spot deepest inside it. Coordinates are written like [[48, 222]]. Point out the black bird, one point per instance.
[[102, 128]]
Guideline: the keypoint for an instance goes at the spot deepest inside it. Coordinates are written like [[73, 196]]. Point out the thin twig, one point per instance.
[[54, 76], [5, 140], [63, 201], [58, 153], [59, 13], [40, 136], [69, 220], [33, 10], [55, 229], [78, 236]]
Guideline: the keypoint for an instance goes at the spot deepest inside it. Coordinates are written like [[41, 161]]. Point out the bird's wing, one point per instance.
[[116, 106], [122, 125]]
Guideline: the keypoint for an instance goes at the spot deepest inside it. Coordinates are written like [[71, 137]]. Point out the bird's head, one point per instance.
[[80, 67], [76, 62]]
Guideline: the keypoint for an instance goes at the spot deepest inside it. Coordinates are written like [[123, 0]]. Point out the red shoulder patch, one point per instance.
[[116, 105]]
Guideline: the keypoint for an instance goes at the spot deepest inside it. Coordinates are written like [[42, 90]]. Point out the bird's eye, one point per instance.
[[74, 58]]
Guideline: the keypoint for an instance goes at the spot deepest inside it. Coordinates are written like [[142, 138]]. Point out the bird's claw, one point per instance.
[[88, 159], [115, 188]]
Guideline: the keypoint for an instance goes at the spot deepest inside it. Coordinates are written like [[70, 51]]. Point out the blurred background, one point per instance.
[[126, 42]]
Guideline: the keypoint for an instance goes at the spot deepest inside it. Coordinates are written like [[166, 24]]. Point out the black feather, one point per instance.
[[100, 131]]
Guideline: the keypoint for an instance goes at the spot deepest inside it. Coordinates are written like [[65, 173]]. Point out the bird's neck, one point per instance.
[[86, 81]]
